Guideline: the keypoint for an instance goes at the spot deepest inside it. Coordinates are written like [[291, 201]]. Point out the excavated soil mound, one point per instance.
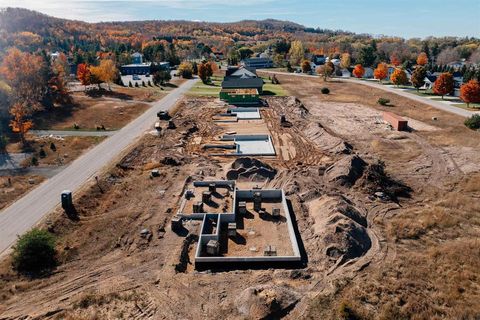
[[266, 301], [340, 226], [346, 171], [250, 169]]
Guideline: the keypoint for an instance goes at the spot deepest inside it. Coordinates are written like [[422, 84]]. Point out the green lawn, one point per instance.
[[270, 89], [207, 90]]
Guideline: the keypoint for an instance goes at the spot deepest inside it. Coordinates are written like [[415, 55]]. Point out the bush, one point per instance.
[[130, 84], [76, 126], [325, 90], [383, 101], [143, 84], [136, 84], [473, 122], [35, 252], [42, 153]]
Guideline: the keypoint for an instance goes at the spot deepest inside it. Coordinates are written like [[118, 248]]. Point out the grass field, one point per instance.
[[270, 89], [207, 90]]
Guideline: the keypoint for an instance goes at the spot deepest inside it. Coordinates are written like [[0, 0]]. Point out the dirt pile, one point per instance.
[[266, 301], [346, 171], [341, 228], [250, 169]]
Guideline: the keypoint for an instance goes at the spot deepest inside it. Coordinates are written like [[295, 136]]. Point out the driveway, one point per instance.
[[436, 104], [29, 210]]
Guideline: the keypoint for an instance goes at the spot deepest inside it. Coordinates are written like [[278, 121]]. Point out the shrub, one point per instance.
[[76, 126], [34, 161], [130, 84], [383, 101], [473, 122], [325, 90], [136, 84], [143, 84], [42, 153], [35, 252]]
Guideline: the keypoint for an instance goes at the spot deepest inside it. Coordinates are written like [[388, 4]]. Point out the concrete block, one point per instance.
[[232, 229], [213, 247], [198, 207], [176, 223], [206, 196], [242, 207], [212, 188], [189, 194], [276, 212], [155, 173], [257, 201]]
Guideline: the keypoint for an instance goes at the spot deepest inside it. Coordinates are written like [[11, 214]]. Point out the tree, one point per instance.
[[203, 72], [326, 70], [448, 55], [345, 60], [473, 122], [20, 123], [306, 67], [395, 60], [35, 252], [399, 77], [245, 52], [470, 92], [105, 72], [367, 56], [358, 71], [83, 74], [422, 59], [160, 77], [381, 72], [418, 77], [296, 53], [444, 84], [185, 69], [233, 58]]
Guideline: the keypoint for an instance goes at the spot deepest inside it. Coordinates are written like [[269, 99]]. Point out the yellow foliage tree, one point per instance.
[[19, 123], [297, 53], [105, 72]]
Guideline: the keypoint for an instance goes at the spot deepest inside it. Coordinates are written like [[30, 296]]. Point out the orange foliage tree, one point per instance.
[[105, 72], [306, 67], [381, 72], [358, 71], [203, 72], [83, 74], [422, 59], [20, 124], [399, 77], [444, 84], [470, 92]]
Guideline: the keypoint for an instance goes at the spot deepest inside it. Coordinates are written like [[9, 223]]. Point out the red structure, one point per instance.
[[397, 122]]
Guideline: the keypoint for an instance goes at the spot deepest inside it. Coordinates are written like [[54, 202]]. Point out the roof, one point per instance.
[[136, 65], [137, 54], [244, 73], [233, 82], [257, 60]]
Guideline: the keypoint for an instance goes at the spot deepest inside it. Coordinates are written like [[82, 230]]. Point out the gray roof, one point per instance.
[[234, 82]]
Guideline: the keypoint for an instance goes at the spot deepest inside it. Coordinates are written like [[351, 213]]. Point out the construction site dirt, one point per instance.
[[375, 210]]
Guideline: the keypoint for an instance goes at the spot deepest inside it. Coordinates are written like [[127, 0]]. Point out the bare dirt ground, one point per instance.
[[397, 240], [13, 186]]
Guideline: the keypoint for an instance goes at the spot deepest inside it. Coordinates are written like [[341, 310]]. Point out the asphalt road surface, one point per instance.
[[436, 104], [25, 213]]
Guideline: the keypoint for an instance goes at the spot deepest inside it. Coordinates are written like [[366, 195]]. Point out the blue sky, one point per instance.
[[405, 18]]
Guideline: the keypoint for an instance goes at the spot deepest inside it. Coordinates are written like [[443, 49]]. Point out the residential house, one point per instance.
[[318, 59], [241, 78], [257, 63]]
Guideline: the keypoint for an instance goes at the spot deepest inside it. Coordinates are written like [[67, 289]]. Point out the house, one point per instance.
[[243, 83], [368, 73], [240, 96], [318, 59], [218, 55], [257, 63], [242, 72], [137, 58]]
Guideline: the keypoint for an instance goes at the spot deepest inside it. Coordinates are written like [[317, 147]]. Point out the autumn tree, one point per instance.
[[326, 70], [422, 59], [470, 92], [399, 77], [203, 72], [160, 77], [306, 67], [345, 61], [20, 123], [105, 72], [381, 72], [296, 53], [185, 69], [395, 60], [444, 84], [83, 74], [418, 77], [358, 71]]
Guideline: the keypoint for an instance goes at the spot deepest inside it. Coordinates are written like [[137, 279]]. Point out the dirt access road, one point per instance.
[[435, 104], [26, 212]]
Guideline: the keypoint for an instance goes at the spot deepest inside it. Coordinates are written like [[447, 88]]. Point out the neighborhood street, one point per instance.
[[29, 210], [436, 104]]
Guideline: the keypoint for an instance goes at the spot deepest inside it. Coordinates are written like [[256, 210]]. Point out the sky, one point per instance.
[[404, 18]]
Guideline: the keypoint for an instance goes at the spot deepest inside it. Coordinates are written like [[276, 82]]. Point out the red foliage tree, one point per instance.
[[422, 59], [83, 74], [399, 77], [444, 84], [358, 71], [470, 92], [395, 60]]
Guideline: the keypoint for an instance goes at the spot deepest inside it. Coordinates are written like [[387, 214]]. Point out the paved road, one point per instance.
[[436, 104], [29, 210], [72, 133]]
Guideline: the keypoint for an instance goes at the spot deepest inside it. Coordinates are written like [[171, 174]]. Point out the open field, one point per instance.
[[14, 186], [208, 90], [388, 220]]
